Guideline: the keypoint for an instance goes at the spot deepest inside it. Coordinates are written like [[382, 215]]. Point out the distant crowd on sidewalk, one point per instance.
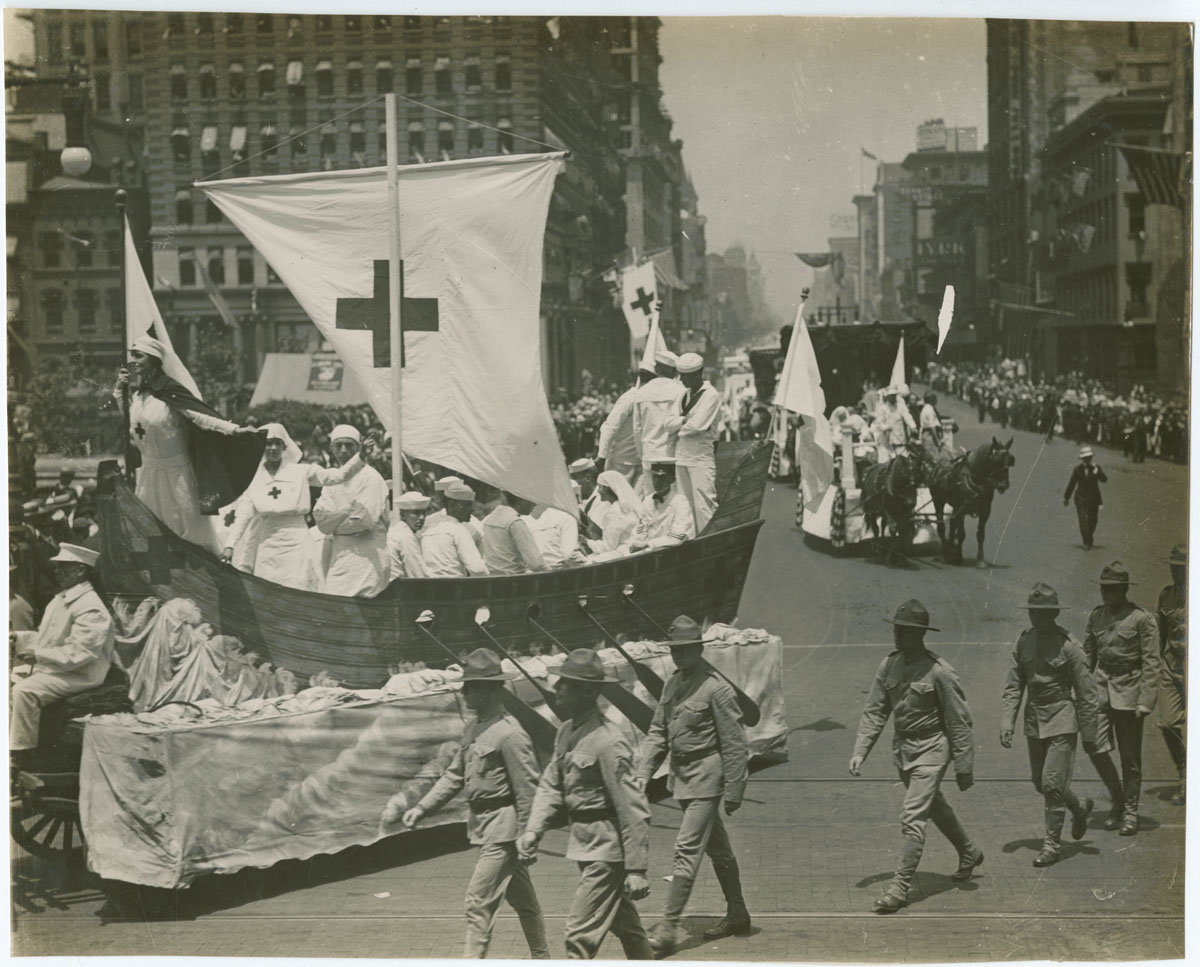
[[1085, 410]]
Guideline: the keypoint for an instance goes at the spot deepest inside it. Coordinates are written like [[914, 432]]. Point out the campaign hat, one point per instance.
[[584, 665], [1178, 555], [1115, 573], [1043, 597], [912, 614], [483, 666], [684, 631]]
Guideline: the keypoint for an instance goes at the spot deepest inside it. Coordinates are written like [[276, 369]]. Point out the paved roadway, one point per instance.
[[816, 845]]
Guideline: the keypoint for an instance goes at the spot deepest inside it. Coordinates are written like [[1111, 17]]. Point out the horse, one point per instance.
[[968, 485], [889, 492]]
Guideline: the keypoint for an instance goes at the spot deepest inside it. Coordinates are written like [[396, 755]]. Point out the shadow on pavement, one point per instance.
[[211, 894], [925, 885], [821, 725], [1067, 849]]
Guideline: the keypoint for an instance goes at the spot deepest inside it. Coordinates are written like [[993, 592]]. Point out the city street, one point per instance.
[[816, 845]]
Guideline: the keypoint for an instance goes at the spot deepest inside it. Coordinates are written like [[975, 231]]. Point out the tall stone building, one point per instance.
[[1073, 250], [235, 94]]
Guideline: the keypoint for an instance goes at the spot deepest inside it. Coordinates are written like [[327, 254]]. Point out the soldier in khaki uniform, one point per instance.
[[496, 767], [1050, 667], [933, 730], [1172, 690], [1122, 650], [699, 726], [590, 777]]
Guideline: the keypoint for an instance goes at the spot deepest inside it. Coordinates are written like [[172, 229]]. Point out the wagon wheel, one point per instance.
[[47, 826]]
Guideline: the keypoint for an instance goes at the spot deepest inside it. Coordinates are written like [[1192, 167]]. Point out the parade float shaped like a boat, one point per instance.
[[355, 640]]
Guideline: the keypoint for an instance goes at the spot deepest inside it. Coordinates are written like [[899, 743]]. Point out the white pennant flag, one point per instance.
[[142, 317], [945, 315], [799, 391], [471, 236], [898, 376]]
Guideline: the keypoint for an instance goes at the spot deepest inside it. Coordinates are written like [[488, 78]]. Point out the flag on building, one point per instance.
[[799, 391], [1080, 179], [1161, 176], [214, 295], [471, 234], [1084, 235], [142, 317]]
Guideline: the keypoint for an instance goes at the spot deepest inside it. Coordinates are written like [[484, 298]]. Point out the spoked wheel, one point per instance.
[[45, 820]]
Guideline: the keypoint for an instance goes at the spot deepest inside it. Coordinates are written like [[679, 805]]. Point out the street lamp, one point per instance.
[[76, 161]]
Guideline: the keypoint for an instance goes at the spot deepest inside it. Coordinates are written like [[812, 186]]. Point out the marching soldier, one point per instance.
[[1050, 668], [496, 766], [1122, 649], [1172, 691], [590, 776], [933, 730], [698, 726]]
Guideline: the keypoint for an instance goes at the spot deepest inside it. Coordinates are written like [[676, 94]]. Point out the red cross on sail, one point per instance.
[[471, 246]]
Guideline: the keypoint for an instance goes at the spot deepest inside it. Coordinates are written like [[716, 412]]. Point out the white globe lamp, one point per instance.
[[76, 161]]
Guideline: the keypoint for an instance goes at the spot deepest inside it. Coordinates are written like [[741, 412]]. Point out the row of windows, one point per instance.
[[214, 263], [1101, 213], [76, 41], [80, 249], [326, 141], [385, 78], [92, 308], [236, 24]]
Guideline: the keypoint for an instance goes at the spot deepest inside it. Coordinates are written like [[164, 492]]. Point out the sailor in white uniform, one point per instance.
[[404, 550], [695, 424], [654, 406]]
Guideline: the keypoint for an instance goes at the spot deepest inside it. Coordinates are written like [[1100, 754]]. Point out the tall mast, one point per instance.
[[396, 330]]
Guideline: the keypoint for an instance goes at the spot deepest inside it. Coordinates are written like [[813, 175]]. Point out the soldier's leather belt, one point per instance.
[[490, 802], [590, 815], [684, 758], [927, 733], [1119, 667]]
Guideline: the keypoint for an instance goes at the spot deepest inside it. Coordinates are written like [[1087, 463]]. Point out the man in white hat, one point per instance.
[[893, 424], [437, 506], [448, 547], [653, 407], [618, 447], [1085, 482], [70, 652], [667, 517], [583, 474], [354, 516], [190, 461], [694, 421], [404, 551]]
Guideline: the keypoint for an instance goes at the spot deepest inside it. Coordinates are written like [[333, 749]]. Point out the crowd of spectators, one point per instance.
[[1085, 410]]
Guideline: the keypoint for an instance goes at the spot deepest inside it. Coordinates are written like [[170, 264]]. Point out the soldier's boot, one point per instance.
[[666, 935], [534, 928], [1173, 737], [1112, 782], [736, 921], [1052, 844], [969, 855], [1080, 811], [1129, 823], [896, 894]]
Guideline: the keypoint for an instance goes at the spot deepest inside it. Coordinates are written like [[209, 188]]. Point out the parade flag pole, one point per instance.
[[122, 198], [396, 331]]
